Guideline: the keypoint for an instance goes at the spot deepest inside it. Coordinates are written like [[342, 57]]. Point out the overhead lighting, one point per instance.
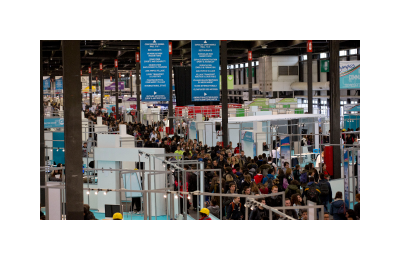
[[95, 193], [88, 192]]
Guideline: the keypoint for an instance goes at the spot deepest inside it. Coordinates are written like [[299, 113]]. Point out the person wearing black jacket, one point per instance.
[[260, 213], [325, 187], [235, 210]]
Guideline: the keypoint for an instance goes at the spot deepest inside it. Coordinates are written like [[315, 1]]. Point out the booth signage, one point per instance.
[[349, 74], [53, 122], [285, 150], [205, 70], [229, 81], [116, 63], [154, 70], [137, 55], [193, 126], [346, 178], [46, 83], [59, 82], [324, 66], [248, 137], [309, 46]]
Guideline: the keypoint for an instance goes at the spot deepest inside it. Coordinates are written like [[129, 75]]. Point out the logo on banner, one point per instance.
[[309, 46], [61, 121]]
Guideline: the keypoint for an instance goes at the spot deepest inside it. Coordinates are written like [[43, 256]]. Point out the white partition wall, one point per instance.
[[107, 156]]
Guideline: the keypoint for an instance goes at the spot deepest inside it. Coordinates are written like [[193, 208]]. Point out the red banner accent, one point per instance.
[[137, 55], [81, 73], [328, 159], [116, 63], [90, 70], [170, 47], [101, 66], [110, 78], [250, 55], [309, 46]]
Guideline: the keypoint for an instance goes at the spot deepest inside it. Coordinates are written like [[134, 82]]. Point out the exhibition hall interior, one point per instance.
[[200, 130]]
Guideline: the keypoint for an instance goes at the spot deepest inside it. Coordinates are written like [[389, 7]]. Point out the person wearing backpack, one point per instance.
[[268, 181], [297, 173], [235, 210], [304, 177], [312, 191], [264, 168], [338, 207], [292, 189], [326, 191]]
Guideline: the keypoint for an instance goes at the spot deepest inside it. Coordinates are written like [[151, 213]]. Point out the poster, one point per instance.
[[154, 70], [46, 83], [53, 122], [346, 178], [205, 70], [229, 81], [349, 74], [59, 83], [285, 150]]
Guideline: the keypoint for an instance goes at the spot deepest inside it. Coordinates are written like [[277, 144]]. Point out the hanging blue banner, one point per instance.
[[53, 122], [247, 136], [205, 70], [285, 150], [349, 74], [59, 83], [154, 66], [346, 179], [46, 83]]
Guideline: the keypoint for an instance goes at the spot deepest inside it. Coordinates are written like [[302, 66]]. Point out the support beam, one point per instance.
[[170, 103], [42, 152], [334, 112], [309, 82], [116, 89], [224, 87], [130, 82], [101, 85], [90, 87], [73, 130]]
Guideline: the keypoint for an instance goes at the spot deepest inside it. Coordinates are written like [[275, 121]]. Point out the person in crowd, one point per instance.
[[326, 191], [312, 192], [260, 213], [350, 214], [204, 212], [87, 214], [258, 178], [297, 201], [179, 152], [304, 215], [271, 163], [290, 212], [235, 210], [338, 207], [326, 216], [117, 216], [357, 207], [292, 189], [246, 191], [227, 200], [246, 182], [85, 152], [274, 201]]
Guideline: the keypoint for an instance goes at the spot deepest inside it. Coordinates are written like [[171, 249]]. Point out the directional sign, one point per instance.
[[154, 70], [205, 70]]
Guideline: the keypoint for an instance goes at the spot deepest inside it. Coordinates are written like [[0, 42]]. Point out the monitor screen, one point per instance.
[[110, 210]]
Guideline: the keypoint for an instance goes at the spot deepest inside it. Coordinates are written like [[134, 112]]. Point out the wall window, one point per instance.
[[236, 66], [246, 64], [343, 102], [353, 51], [241, 65], [299, 101], [256, 63], [342, 53], [322, 55], [315, 101], [304, 57], [288, 70]]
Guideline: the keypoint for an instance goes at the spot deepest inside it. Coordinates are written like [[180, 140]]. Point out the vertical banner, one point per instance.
[[358, 169], [154, 67], [349, 74], [46, 83], [346, 178], [59, 83], [229, 80], [285, 150], [205, 70]]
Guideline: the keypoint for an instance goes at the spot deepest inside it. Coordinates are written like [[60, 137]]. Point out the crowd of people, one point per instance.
[[240, 174]]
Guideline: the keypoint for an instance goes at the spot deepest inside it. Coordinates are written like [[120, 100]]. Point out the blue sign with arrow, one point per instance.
[[205, 70], [154, 66]]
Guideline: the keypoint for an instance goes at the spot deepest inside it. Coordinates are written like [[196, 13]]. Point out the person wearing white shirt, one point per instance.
[[153, 135]]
